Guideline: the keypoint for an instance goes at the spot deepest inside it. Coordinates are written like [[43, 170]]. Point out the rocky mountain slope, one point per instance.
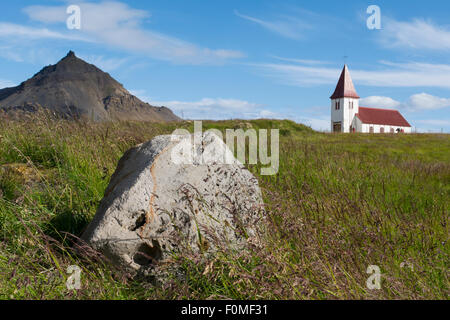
[[73, 88]]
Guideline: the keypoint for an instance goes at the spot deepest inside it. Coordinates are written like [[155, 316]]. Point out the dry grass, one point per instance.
[[339, 204]]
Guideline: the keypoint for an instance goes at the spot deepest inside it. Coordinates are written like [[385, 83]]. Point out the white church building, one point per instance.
[[348, 116]]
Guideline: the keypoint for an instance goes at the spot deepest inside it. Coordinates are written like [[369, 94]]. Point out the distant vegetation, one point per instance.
[[339, 204]]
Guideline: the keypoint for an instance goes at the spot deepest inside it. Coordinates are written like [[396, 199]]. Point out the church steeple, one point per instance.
[[344, 104], [345, 88]]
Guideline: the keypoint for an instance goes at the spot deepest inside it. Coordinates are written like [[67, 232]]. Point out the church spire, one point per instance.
[[345, 88]]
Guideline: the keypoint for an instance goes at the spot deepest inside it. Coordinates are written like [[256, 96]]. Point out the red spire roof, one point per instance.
[[345, 88], [381, 116]]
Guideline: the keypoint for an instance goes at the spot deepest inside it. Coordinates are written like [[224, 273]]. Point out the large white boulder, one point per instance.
[[163, 198]]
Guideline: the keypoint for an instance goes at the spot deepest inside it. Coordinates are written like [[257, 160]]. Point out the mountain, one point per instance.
[[73, 88]]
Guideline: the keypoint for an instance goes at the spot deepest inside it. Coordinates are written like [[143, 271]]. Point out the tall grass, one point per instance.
[[338, 204]]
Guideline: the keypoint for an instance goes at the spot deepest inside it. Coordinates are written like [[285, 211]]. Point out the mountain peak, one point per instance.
[[74, 87], [70, 57]]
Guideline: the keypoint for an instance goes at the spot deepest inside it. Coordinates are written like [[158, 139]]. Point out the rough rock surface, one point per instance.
[[158, 203]]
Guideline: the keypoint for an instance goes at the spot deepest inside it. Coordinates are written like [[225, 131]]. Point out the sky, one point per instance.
[[228, 59]]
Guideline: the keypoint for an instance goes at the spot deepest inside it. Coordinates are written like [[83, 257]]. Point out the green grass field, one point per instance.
[[338, 204]]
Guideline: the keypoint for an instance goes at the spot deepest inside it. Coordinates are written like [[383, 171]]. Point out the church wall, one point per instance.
[[387, 129], [350, 112], [345, 114], [357, 124], [336, 115]]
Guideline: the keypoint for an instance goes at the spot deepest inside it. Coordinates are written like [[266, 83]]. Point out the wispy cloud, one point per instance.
[[432, 125], [389, 74], [435, 122], [16, 30], [117, 25], [286, 26], [302, 61], [214, 108], [6, 84], [106, 64], [416, 34], [10, 53], [18, 50], [415, 103]]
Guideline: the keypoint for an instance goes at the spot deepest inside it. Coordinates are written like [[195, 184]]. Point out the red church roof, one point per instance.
[[345, 88], [382, 116]]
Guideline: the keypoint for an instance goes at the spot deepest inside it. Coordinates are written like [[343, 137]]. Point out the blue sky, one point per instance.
[[246, 59]]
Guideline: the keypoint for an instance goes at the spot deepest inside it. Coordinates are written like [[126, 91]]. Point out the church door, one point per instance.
[[337, 127]]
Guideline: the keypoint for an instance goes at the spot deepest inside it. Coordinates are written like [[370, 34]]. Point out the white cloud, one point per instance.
[[416, 34], [28, 52], [213, 109], [16, 30], [392, 75], [415, 103], [223, 109], [6, 84], [379, 102], [319, 124], [424, 101], [116, 24], [268, 114], [286, 26], [435, 122], [302, 61], [432, 125], [10, 53], [105, 64]]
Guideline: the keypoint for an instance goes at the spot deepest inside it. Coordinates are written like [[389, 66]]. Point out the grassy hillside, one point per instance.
[[339, 204]]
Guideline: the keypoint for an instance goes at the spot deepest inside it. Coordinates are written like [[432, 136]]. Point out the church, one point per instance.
[[348, 116]]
